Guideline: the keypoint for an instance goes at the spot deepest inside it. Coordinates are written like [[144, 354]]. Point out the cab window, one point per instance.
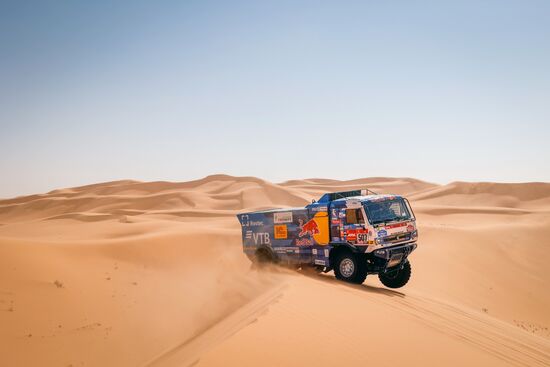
[[354, 216]]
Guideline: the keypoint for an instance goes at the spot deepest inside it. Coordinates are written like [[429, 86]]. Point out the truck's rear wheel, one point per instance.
[[262, 257], [396, 278], [350, 268]]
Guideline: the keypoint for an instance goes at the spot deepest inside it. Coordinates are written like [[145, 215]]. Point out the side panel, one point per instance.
[[256, 231], [320, 254], [291, 234], [291, 243], [321, 221]]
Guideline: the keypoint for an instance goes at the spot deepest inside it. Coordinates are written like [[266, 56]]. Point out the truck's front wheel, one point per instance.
[[350, 268], [396, 278]]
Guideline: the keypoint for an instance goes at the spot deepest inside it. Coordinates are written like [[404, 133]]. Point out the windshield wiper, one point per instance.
[[392, 220]]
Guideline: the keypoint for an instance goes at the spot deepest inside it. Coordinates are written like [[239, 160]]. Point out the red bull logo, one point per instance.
[[310, 228]]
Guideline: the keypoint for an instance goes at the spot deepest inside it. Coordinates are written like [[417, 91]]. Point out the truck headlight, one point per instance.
[[414, 235], [380, 253], [379, 241]]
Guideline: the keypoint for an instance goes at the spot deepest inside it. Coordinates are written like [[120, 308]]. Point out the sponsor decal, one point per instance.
[[280, 232], [248, 235], [319, 262], [382, 233], [396, 225], [282, 217], [353, 204], [310, 228], [326, 253], [382, 198], [314, 251], [335, 221], [246, 222], [358, 235], [261, 238], [320, 209], [304, 242], [284, 249]]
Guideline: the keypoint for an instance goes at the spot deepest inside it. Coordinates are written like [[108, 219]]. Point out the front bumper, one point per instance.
[[390, 257]]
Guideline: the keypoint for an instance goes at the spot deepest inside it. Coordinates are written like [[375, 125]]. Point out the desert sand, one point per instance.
[[133, 273]]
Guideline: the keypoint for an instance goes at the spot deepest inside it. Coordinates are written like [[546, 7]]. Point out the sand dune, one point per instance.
[[534, 195], [217, 192], [131, 273]]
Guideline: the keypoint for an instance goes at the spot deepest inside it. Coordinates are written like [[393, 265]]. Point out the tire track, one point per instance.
[[189, 351], [496, 337]]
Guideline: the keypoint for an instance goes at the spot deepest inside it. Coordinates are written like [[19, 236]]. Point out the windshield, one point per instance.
[[386, 211]]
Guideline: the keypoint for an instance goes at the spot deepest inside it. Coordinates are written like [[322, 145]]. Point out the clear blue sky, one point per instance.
[[93, 91]]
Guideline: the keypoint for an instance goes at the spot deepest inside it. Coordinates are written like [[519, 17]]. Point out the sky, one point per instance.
[[94, 91]]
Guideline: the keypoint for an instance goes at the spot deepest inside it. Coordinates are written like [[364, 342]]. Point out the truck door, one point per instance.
[[354, 226]]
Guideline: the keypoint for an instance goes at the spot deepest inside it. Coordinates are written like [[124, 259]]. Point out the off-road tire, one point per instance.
[[397, 278], [262, 258], [355, 266]]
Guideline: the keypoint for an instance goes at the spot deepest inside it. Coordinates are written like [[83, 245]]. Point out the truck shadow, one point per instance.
[[325, 278], [330, 279]]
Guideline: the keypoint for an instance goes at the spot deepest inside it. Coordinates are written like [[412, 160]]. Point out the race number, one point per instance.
[[361, 238]]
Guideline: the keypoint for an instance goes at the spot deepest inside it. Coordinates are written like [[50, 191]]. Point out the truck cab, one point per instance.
[[354, 233], [371, 221]]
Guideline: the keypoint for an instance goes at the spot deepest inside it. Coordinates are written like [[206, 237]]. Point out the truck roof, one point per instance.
[[324, 202], [376, 197], [362, 195]]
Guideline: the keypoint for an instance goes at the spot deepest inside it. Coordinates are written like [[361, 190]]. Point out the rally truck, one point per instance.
[[354, 233]]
